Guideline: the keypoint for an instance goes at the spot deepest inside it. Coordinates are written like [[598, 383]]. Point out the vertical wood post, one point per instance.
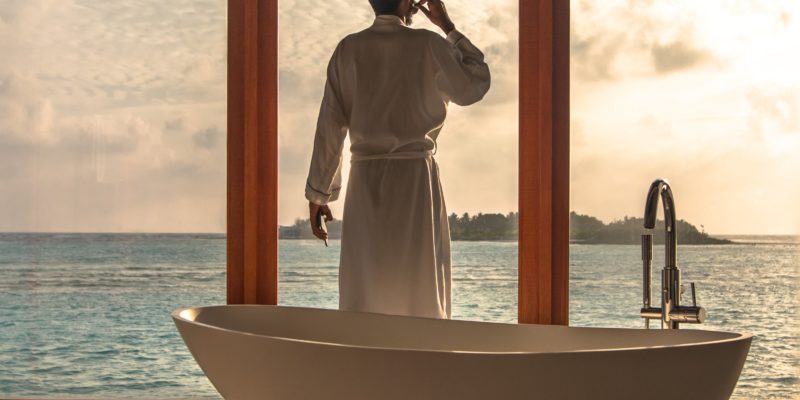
[[544, 161], [252, 273]]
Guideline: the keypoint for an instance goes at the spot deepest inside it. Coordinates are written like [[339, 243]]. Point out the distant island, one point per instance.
[[590, 230], [499, 227]]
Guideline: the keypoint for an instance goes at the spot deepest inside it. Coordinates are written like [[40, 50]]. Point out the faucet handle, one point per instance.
[[693, 314]]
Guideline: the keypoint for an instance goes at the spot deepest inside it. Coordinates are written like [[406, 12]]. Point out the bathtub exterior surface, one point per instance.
[[281, 352]]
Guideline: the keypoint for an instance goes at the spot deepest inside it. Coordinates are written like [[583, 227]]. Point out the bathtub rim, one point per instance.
[[176, 316]]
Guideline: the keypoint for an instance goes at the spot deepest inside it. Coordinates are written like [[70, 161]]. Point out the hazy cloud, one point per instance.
[[775, 110], [593, 57], [25, 113], [785, 18], [112, 114], [702, 93], [127, 96], [677, 56], [108, 113], [619, 39], [207, 138]]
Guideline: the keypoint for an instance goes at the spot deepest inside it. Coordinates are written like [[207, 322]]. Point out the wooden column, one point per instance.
[[544, 161], [252, 152]]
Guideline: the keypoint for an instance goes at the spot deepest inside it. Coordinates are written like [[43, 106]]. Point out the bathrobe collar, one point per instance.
[[388, 19]]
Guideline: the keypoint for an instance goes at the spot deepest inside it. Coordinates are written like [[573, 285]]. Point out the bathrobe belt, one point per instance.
[[393, 155]]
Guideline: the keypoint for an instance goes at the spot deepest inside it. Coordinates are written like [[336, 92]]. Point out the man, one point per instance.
[[390, 85]]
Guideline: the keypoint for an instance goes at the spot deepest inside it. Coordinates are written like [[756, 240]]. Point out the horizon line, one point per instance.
[[225, 233]]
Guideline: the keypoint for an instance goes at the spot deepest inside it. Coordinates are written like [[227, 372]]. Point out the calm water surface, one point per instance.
[[88, 315]]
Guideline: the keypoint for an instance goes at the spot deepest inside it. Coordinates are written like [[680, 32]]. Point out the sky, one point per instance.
[[112, 114]]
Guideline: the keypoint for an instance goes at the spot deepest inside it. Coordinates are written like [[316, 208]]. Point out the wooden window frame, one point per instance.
[[252, 225]]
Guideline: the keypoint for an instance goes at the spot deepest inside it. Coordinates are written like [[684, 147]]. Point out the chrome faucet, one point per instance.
[[671, 313]]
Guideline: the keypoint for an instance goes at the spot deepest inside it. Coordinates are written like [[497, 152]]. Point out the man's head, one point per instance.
[[401, 8], [385, 6]]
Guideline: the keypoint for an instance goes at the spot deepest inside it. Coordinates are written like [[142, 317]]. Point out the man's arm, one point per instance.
[[324, 180], [462, 74]]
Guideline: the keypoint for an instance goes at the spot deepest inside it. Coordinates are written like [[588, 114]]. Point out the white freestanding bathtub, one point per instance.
[[281, 352]]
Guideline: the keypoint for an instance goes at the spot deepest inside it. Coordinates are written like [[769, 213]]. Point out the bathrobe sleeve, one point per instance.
[[462, 76], [325, 173]]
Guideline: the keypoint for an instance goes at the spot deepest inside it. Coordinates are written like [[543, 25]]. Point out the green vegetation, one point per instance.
[[587, 229], [483, 226], [583, 229]]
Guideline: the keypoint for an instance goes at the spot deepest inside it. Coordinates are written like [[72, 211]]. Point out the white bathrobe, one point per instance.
[[389, 85]]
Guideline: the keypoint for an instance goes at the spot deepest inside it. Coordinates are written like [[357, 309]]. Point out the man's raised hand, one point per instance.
[[437, 13]]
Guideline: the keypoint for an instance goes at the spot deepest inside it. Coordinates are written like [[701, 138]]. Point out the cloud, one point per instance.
[[619, 40], [785, 17], [701, 93], [593, 58], [119, 54], [677, 56], [118, 113], [24, 113], [175, 124], [111, 173], [112, 114], [109, 115], [775, 110], [18, 12], [208, 138]]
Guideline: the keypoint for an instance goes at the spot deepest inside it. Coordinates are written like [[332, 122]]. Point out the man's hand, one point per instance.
[[313, 209], [437, 13]]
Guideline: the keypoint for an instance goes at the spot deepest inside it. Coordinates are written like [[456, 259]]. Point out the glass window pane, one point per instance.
[[476, 154], [112, 193], [706, 95]]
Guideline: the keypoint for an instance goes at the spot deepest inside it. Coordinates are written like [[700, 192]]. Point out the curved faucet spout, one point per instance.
[[671, 312], [660, 187]]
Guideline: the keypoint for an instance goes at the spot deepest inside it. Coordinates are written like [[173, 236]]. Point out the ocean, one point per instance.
[[88, 314]]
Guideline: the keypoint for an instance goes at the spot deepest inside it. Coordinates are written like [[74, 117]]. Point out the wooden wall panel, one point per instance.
[[544, 161], [252, 152]]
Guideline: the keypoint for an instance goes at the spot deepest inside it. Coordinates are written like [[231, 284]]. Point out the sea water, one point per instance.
[[89, 314]]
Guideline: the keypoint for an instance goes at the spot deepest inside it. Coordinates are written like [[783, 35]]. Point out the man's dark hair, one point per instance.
[[384, 6]]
